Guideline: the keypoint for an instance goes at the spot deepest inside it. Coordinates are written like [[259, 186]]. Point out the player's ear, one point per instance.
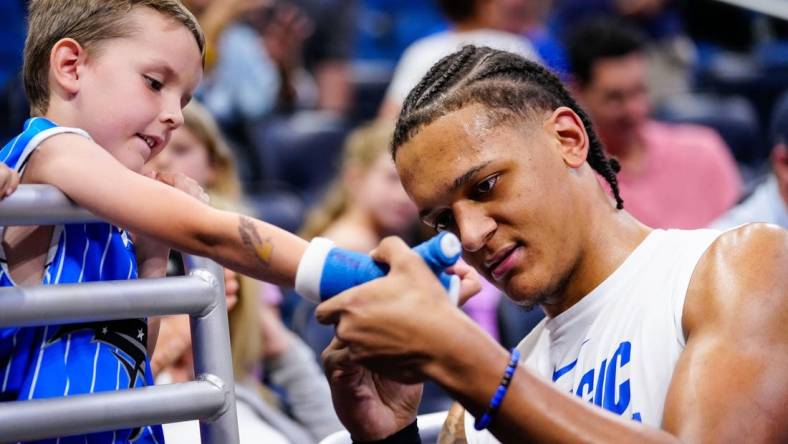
[[570, 134], [65, 65]]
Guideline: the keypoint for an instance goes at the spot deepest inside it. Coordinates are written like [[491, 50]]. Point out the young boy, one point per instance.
[[106, 80]]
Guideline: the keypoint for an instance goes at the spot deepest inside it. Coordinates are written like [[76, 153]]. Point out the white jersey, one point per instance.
[[617, 347]]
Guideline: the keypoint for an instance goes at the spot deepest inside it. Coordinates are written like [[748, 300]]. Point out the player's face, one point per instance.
[[503, 190], [132, 89]]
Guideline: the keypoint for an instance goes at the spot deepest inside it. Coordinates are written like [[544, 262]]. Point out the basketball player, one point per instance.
[[650, 336]]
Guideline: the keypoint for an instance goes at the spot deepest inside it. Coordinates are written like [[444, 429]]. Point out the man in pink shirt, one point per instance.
[[672, 176]]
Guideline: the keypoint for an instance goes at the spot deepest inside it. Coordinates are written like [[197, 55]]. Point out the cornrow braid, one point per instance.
[[438, 75], [497, 79]]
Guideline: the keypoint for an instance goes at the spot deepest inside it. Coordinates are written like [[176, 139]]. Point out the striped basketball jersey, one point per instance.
[[618, 346], [62, 360]]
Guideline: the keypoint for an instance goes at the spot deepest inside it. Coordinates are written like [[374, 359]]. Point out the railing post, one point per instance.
[[212, 356]]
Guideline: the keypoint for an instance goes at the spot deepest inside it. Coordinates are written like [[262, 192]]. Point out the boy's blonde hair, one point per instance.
[[89, 22]]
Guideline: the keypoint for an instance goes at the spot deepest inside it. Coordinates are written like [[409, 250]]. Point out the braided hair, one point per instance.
[[501, 81]]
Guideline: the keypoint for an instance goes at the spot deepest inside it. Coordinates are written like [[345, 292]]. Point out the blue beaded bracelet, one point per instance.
[[500, 392]]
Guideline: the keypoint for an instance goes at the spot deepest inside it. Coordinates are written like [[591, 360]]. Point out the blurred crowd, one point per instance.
[[293, 119]]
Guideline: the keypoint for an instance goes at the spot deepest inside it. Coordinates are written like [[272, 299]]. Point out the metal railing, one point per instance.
[[210, 398]]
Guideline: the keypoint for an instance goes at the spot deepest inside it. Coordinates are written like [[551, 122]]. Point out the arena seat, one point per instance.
[[300, 151]]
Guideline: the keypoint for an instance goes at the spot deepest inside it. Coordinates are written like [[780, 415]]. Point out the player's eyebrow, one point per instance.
[[458, 183], [466, 177]]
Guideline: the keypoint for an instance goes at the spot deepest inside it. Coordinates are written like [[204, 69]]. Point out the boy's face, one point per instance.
[[132, 89]]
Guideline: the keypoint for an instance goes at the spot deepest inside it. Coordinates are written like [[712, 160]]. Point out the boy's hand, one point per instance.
[[470, 281], [181, 182], [9, 180], [152, 254]]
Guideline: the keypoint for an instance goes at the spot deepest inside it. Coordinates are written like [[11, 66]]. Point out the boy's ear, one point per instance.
[[65, 61], [570, 133]]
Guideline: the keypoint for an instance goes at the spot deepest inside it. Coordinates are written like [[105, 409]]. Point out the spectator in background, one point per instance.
[[672, 176], [769, 201], [198, 150], [367, 202], [241, 81], [529, 18], [257, 335], [670, 52], [385, 28], [478, 22], [328, 49]]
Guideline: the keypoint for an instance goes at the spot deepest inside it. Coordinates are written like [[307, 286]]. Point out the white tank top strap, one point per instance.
[[687, 248]]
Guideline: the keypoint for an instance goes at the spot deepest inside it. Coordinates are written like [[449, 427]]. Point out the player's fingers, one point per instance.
[[396, 253], [330, 311]]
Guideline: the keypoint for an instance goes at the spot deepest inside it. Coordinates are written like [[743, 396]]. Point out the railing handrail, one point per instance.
[[25, 205], [211, 398], [65, 304], [20, 420]]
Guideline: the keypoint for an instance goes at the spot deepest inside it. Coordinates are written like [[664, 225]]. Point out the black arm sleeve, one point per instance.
[[408, 435]]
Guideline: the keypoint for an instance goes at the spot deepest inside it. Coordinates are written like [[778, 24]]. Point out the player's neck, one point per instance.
[[610, 237]]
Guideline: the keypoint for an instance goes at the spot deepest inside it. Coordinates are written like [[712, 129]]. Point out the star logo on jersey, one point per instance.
[[124, 236], [126, 337]]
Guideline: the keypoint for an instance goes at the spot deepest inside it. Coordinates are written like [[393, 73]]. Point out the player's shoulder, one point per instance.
[[750, 242], [742, 267]]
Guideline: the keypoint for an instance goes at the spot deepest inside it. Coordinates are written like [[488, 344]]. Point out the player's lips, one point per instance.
[[502, 262]]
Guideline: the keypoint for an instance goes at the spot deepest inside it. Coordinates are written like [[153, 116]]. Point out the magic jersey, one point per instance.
[[618, 346], [63, 360]]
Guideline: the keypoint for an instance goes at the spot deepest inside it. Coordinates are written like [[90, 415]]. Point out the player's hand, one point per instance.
[[370, 406], [395, 325], [9, 180]]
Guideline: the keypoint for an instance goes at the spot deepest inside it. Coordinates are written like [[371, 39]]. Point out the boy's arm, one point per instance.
[[95, 180]]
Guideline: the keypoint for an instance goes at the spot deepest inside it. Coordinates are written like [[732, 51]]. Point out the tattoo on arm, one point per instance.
[[262, 248]]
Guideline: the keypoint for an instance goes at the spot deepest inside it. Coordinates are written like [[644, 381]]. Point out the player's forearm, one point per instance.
[[532, 410]]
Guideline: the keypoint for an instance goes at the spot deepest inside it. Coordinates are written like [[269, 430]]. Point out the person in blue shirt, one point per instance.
[[769, 201]]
